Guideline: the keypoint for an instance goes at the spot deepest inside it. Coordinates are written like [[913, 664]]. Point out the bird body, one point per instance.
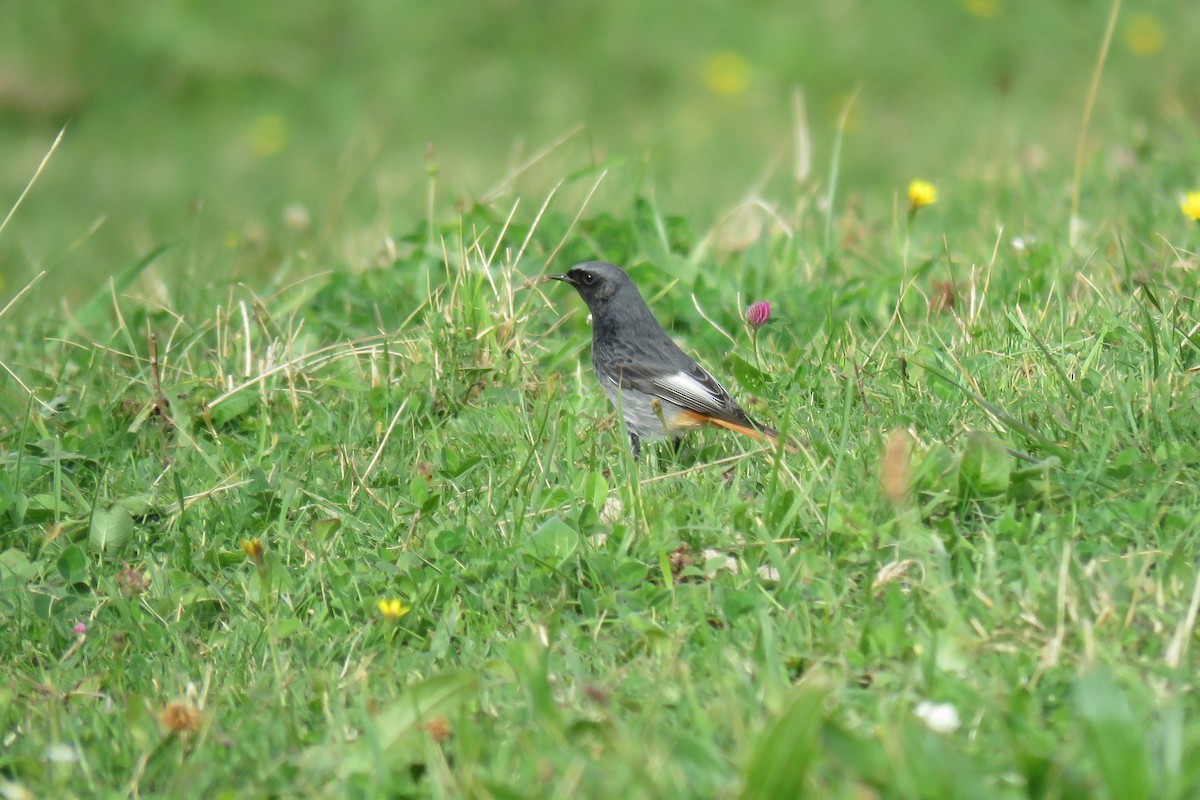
[[657, 389]]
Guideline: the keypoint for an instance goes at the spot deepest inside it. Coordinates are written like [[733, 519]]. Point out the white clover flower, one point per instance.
[[938, 717]]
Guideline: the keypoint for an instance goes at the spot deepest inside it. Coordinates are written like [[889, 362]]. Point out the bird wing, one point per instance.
[[690, 387]]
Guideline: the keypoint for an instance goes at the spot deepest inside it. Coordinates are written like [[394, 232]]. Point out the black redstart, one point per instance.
[[659, 390]]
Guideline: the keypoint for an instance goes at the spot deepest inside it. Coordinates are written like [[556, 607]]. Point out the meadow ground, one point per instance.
[[308, 488]]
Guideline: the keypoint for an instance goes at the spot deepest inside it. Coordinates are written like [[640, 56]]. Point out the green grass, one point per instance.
[[995, 507]]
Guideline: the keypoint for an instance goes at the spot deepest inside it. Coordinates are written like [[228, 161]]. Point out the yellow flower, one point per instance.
[[392, 609], [920, 194], [984, 9], [727, 73], [1144, 35], [1191, 206], [269, 134], [254, 551]]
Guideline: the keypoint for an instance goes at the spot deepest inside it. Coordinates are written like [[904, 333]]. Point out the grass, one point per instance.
[[217, 466]]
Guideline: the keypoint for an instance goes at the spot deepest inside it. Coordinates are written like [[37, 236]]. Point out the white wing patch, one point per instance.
[[694, 393]]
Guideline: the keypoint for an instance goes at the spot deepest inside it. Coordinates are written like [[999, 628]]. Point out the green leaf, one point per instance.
[[631, 574], [323, 529], [110, 531], [986, 464], [288, 627], [418, 489], [595, 489], [234, 406], [138, 505], [748, 376], [73, 564], [42, 505], [786, 750], [15, 565], [555, 540]]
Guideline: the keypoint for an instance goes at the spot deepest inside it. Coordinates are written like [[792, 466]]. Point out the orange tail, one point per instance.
[[761, 433]]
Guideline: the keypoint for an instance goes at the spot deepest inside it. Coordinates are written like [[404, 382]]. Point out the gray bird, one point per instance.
[[658, 390]]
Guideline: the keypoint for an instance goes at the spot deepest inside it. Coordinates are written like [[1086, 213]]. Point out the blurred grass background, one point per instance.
[[204, 122]]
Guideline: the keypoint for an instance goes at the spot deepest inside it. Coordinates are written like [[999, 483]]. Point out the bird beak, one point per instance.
[[563, 278]]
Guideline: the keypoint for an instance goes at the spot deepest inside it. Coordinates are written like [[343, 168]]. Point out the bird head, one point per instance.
[[596, 281]]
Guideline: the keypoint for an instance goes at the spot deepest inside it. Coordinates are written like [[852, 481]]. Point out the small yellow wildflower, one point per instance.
[[984, 9], [921, 194], [1191, 206], [254, 551], [269, 134], [727, 73], [392, 609], [1144, 35]]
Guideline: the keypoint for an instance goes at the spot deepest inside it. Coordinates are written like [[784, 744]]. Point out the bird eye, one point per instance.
[[588, 278]]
